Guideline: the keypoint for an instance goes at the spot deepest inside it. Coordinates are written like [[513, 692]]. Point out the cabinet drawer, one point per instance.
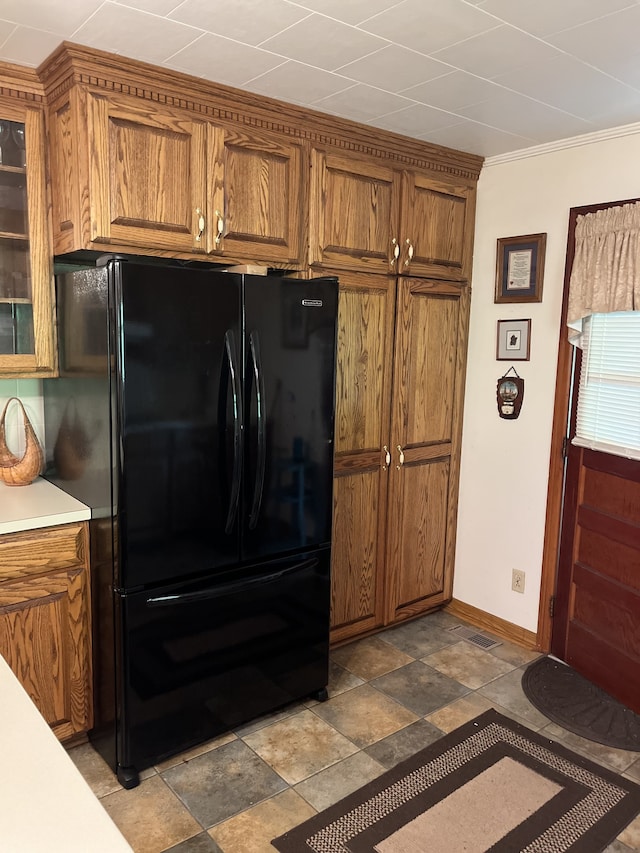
[[43, 550]]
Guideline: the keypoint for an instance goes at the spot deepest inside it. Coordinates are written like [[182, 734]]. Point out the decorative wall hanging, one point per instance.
[[514, 340], [519, 268], [15, 471], [510, 394]]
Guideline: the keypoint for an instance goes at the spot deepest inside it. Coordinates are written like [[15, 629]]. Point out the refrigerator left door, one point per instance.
[[179, 420]]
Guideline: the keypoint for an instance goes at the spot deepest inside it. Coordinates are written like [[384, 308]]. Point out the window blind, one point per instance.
[[608, 416]]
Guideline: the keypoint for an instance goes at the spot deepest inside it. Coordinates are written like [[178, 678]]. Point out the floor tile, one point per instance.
[[459, 712], [195, 751], [299, 746], [420, 688], [515, 655], [467, 664], [96, 772], [326, 788], [617, 759], [370, 658], [341, 680], [252, 831], [202, 843], [219, 784], [419, 638], [365, 715], [268, 719], [507, 691], [631, 835], [403, 744], [618, 847], [633, 771], [151, 817]]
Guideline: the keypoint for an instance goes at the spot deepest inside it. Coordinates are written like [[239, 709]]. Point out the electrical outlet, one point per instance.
[[517, 580]]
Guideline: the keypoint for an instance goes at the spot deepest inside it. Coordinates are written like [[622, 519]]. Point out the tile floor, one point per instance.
[[390, 695]]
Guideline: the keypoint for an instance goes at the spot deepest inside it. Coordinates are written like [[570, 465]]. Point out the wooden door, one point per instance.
[[354, 212], [436, 230], [257, 196], [147, 181], [428, 388], [26, 270], [597, 605], [44, 622], [365, 341]]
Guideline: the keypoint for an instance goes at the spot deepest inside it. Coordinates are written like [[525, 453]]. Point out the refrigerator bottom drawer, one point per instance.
[[199, 662]]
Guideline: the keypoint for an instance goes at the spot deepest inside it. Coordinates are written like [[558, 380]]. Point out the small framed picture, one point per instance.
[[520, 268], [514, 340]]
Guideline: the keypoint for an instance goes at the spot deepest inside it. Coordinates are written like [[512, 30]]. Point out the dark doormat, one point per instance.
[[573, 702]]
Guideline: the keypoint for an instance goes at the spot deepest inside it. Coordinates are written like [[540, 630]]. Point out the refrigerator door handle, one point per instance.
[[261, 453], [229, 342], [229, 588]]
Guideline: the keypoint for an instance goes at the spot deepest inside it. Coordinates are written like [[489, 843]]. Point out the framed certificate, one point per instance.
[[520, 268]]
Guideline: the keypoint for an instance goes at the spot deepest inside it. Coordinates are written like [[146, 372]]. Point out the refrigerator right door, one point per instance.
[[289, 365]]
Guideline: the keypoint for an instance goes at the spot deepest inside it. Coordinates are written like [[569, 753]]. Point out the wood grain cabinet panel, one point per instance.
[[27, 344], [45, 624]]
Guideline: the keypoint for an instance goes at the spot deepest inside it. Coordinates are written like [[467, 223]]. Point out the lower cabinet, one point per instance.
[[45, 622], [399, 394]]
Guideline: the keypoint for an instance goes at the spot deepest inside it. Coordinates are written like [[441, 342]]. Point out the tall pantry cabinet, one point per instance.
[[401, 242]]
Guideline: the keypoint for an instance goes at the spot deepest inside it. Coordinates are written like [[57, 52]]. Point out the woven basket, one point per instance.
[[14, 471]]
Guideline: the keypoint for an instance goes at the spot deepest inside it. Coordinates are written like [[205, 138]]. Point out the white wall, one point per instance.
[[505, 463]]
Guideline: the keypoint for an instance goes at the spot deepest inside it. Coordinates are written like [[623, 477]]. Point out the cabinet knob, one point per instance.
[[219, 227], [201, 224], [396, 252], [409, 257], [387, 458]]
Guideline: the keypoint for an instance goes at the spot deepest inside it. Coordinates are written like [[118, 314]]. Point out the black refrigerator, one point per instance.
[[194, 414]]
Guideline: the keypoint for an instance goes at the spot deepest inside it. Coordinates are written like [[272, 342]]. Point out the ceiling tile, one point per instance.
[[496, 52], [26, 45], [293, 81], [394, 68], [549, 16], [223, 60], [350, 12], [603, 41], [249, 21], [322, 42], [158, 7], [454, 90], [478, 138], [520, 115], [584, 92], [362, 103], [429, 25], [133, 33], [416, 120], [52, 17]]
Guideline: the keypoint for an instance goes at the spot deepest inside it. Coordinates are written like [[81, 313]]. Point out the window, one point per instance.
[[608, 416]]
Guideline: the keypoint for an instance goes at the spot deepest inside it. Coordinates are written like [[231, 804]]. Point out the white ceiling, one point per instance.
[[485, 76]]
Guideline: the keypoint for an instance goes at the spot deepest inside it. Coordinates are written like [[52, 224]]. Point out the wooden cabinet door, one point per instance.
[[44, 622], [26, 271], [365, 340], [354, 212], [257, 197], [436, 233], [430, 350], [146, 175]]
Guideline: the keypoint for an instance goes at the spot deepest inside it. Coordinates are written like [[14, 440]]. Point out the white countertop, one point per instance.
[[40, 504], [45, 804]]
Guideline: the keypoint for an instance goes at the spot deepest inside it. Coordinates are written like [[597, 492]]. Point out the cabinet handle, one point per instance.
[[219, 227], [409, 252], [396, 252], [401, 452], [201, 224], [387, 458]]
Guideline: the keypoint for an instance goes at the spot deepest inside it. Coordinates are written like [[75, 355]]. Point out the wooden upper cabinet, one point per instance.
[[354, 212], [426, 422], [257, 197], [436, 231], [26, 271], [144, 172], [367, 215]]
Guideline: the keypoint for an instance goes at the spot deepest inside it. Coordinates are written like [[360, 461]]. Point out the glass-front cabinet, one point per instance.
[[26, 317]]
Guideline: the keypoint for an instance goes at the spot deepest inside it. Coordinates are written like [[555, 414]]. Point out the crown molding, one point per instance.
[[563, 144]]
